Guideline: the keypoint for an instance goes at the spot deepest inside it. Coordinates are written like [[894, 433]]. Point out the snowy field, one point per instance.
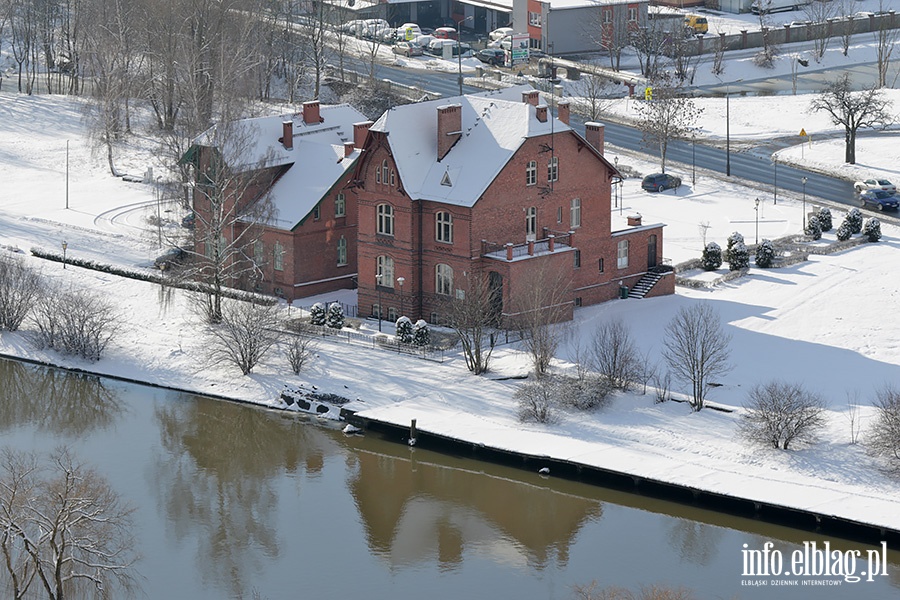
[[825, 323]]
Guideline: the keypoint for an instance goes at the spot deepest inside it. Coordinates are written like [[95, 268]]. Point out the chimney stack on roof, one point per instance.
[[311, 113], [541, 113], [287, 134], [593, 133], [449, 128], [348, 148], [562, 111], [360, 131], [532, 97]]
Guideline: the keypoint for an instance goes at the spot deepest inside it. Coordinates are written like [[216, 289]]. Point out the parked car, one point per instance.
[[875, 184], [504, 43], [657, 182], [696, 23], [879, 199], [446, 33], [408, 32], [436, 47], [492, 56], [500, 33], [170, 258], [407, 49], [189, 220]]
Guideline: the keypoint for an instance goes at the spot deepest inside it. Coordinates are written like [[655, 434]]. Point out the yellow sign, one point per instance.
[[802, 132], [648, 93]]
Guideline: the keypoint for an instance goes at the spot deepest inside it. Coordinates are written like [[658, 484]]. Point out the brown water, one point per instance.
[[233, 500]]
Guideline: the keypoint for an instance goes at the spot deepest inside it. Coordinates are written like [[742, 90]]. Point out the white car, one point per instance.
[[500, 33], [408, 31], [875, 184]]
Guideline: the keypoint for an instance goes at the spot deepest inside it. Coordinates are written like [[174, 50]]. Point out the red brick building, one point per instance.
[[298, 165], [492, 184]]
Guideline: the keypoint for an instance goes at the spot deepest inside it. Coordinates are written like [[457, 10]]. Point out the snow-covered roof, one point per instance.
[[494, 126], [315, 163]]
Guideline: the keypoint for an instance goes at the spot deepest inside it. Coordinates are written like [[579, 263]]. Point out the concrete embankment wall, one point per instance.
[[764, 511]]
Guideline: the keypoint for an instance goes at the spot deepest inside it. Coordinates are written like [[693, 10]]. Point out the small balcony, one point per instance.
[[510, 251]]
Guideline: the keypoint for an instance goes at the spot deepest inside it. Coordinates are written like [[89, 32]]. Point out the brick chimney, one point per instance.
[[562, 111], [348, 148], [449, 128], [532, 97], [593, 133], [311, 113], [287, 134], [541, 113], [360, 131]]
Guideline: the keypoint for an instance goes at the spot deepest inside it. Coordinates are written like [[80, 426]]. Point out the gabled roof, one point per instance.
[[314, 165], [494, 127]]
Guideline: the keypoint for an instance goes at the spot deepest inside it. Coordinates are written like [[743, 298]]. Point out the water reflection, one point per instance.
[[217, 482], [57, 401], [416, 512], [695, 542]]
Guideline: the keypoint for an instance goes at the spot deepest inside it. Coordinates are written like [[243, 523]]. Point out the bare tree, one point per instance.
[[718, 61], [669, 115], [474, 318], [77, 322], [650, 43], [230, 212], [596, 93], [853, 416], [653, 592], [538, 311], [20, 287], [766, 56], [885, 39], [300, 350], [609, 32], [614, 355], [63, 529], [845, 11], [884, 435], [819, 15], [537, 401], [696, 349], [852, 110], [779, 414], [246, 334]]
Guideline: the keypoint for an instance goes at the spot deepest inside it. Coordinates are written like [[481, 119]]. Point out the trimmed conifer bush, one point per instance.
[[404, 330], [824, 216], [872, 229], [843, 232], [765, 254], [421, 335], [813, 228], [712, 257], [854, 220], [335, 316], [317, 314], [738, 257], [733, 240]]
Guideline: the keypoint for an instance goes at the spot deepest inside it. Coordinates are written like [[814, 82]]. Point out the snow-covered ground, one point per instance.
[[826, 323]]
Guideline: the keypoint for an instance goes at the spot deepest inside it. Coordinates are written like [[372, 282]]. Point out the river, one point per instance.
[[238, 502]]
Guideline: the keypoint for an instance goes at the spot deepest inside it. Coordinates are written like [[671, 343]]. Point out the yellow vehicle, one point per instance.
[[697, 23]]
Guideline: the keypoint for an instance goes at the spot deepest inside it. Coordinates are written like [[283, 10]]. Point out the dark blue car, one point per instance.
[[658, 182], [879, 199]]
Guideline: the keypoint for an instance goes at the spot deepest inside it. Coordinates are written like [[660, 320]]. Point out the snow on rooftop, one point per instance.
[[494, 126]]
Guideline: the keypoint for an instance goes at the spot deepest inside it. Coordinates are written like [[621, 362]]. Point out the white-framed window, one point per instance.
[[553, 169], [342, 251], [443, 280], [392, 313], [384, 271], [607, 15], [622, 254], [575, 213], [531, 173], [531, 221], [278, 256], [376, 310], [385, 171], [534, 19], [340, 205], [385, 219], [632, 14], [393, 178], [443, 222]]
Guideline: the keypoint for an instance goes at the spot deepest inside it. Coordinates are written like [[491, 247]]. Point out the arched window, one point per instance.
[[384, 271], [385, 221], [385, 171], [531, 221], [278, 256], [444, 227], [443, 280], [393, 178], [531, 173], [342, 251]]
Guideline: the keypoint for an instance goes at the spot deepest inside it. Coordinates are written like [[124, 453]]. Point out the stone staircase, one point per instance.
[[644, 285]]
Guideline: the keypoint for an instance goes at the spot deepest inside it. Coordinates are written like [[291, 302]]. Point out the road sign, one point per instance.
[[648, 93]]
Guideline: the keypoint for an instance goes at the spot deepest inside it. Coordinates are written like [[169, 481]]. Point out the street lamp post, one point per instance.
[[728, 127], [756, 208], [400, 282], [694, 159], [158, 213], [459, 49], [803, 181], [67, 174], [64, 246]]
